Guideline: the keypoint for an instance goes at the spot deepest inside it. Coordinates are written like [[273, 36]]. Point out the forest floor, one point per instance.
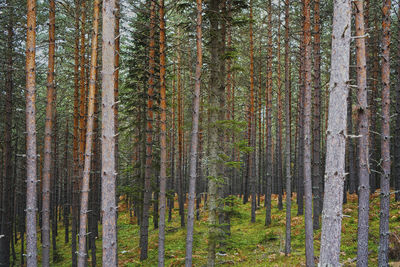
[[250, 244]]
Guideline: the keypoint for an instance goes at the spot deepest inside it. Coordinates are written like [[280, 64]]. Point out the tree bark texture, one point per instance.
[[48, 142], [108, 174], [287, 135], [195, 136], [144, 226], [363, 131], [82, 256], [336, 135], [307, 136], [31, 154], [383, 259], [163, 140]]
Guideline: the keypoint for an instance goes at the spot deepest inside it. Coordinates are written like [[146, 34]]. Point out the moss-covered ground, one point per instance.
[[250, 244]]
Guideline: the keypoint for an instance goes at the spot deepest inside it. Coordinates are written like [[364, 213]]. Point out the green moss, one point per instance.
[[250, 244]]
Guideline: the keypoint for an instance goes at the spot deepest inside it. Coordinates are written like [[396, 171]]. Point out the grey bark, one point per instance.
[[31, 154], [108, 173], [336, 135], [287, 134], [195, 139], [307, 137], [383, 259]]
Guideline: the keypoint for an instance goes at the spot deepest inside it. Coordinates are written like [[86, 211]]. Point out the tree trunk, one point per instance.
[[383, 259], [307, 136], [171, 200], [213, 146], [75, 153], [268, 112], [31, 154], [194, 141], [163, 140], [144, 226], [82, 256], [108, 175], [336, 135], [48, 142], [316, 156], [362, 109], [287, 134], [179, 183], [397, 129], [66, 187], [278, 151], [252, 157]]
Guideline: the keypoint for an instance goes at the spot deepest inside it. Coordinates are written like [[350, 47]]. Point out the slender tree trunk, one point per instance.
[[362, 108], [179, 183], [108, 187], [66, 187], [172, 182], [336, 135], [144, 226], [48, 142], [397, 129], [82, 102], [383, 259], [287, 134], [278, 151], [54, 183], [300, 152], [307, 136], [194, 141], [75, 153], [316, 156], [252, 171], [82, 256], [268, 112], [374, 147], [163, 140], [31, 154], [213, 131]]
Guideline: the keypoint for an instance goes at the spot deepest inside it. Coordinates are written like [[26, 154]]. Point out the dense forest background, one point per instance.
[[225, 132]]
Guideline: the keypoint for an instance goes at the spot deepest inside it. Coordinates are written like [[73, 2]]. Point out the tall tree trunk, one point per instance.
[[268, 112], [82, 256], [252, 157], [66, 186], [287, 134], [179, 183], [75, 153], [48, 142], [300, 118], [172, 180], [116, 79], [307, 136], [194, 140], [31, 154], [363, 131], [82, 102], [316, 156], [54, 183], [5, 205], [278, 151], [144, 226], [397, 129], [108, 175], [213, 146], [163, 139], [383, 259], [336, 135]]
